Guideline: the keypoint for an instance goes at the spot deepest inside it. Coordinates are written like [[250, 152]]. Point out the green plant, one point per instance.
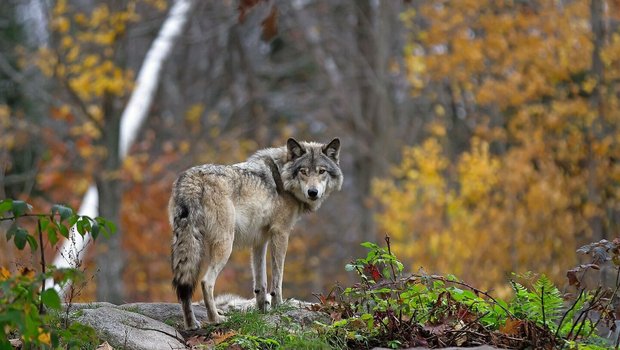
[[255, 330], [542, 304], [388, 308], [29, 310]]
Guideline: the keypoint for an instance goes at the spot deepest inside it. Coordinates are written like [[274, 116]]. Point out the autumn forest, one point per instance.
[[483, 136]]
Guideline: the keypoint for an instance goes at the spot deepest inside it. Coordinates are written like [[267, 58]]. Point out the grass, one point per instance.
[[272, 330]]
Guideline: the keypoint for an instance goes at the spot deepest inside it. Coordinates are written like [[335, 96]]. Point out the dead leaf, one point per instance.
[[245, 6], [199, 340], [512, 327], [573, 280], [220, 338], [336, 316], [105, 346], [437, 329], [269, 25], [373, 271]]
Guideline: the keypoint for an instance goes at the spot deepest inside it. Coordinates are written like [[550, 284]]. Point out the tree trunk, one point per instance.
[[110, 258], [375, 107], [596, 129]]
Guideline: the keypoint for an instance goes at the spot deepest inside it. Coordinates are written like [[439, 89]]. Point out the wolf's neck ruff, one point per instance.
[[254, 203]]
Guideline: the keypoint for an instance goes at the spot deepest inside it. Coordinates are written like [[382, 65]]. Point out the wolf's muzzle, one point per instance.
[[313, 193]]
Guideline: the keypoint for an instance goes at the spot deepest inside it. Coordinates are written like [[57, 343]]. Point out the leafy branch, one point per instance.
[[24, 297]]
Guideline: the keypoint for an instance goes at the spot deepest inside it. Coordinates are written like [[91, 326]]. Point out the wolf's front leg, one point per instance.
[[259, 272], [279, 244]]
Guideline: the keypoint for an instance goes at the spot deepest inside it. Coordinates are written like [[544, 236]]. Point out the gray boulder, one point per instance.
[[124, 329], [168, 313]]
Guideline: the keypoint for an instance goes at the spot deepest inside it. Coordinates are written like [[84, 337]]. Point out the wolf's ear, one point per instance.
[[295, 150], [332, 149]]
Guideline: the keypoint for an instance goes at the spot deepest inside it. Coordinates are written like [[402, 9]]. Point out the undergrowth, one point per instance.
[[389, 308], [254, 330]]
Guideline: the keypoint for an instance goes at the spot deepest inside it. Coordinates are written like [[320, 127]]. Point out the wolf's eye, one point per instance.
[[321, 171], [303, 171]]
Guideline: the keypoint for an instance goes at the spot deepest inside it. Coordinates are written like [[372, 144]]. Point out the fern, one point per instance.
[[542, 304], [518, 306], [545, 303]]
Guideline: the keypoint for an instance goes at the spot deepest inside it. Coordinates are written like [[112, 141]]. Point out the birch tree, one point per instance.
[[121, 130]]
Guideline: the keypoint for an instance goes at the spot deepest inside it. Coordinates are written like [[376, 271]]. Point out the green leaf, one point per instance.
[[20, 238], [340, 323], [111, 227], [64, 230], [369, 245], [52, 236], [107, 226], [20, 208], [6, 205], [44, 222], [79, 225], [32, 242], [11, 231], [94, 230], [63, 211], [50, 298], [73, 219]]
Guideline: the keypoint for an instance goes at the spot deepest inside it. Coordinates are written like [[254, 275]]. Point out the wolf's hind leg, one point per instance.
[[219, 254], [259, 271], [188, 314]]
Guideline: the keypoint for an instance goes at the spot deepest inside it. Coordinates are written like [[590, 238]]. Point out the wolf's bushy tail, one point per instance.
[[188, 223]]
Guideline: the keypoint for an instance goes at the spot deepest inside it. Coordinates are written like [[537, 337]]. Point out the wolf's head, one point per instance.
[[311, 171]]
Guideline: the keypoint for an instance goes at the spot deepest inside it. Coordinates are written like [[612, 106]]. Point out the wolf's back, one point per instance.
[[188, 221]]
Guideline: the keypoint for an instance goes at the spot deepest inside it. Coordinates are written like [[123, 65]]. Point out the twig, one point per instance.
[[23, 215], [613, 296], [467, 326], [39, 231], [557, 332], [387, 241], [584, 312], [542, 304], [163, 332]]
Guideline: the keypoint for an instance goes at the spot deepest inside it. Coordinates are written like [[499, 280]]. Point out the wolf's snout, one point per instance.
[[312, 193]]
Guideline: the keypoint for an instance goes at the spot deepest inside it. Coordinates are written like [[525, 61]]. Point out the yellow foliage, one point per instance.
[[44, 337], [541, 163], [4, 273], [193, 115]]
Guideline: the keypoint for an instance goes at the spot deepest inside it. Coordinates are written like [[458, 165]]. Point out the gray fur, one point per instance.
[[254, 203]]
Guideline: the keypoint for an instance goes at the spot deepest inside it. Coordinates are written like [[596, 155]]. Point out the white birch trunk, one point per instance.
[[132, 119]]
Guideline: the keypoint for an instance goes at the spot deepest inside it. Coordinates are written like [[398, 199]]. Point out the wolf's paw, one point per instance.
[[193, 326], [263, 305], [220, 319]]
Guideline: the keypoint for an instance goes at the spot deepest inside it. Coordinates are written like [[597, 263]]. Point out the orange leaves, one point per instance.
[[4, 273], [269, 25], [245, 6]]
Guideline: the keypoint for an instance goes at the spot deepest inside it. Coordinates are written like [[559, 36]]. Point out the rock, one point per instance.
[[297, 312], [168, 313], [80, 306], [124, 329], [300, 316]]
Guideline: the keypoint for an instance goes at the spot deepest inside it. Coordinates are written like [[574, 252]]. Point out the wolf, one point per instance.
[[214, 208]]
